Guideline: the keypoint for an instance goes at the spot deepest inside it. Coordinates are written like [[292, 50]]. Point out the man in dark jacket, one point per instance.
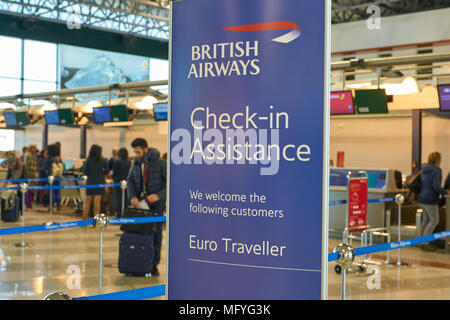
[[147, 181], [447, 182], [431, 177]]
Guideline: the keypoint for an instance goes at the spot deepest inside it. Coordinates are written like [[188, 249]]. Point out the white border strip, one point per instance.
[[326, 149], [251, 266]]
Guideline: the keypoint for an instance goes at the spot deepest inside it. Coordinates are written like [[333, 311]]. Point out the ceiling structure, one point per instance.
[[355, 10], [150, 18]]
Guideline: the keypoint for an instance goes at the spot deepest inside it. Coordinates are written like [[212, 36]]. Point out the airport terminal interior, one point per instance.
[[81, 80]]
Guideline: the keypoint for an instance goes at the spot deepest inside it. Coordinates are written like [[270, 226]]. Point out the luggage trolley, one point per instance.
[[356, 227]]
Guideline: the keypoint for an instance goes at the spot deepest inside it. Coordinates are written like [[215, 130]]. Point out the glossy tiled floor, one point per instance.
[[47, 266]]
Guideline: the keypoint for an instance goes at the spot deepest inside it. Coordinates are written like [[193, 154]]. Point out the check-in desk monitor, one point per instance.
[[381, 185]]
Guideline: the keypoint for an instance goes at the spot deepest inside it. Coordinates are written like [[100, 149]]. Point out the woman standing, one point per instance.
[[121, 168], [431, 177], [95, 168], [53, 166]]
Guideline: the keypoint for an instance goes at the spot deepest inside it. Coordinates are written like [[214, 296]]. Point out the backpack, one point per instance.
[[414, 182], [57, 169]]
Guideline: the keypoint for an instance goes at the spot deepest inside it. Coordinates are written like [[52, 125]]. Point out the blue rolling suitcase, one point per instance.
[[10, 210], [136, 254]]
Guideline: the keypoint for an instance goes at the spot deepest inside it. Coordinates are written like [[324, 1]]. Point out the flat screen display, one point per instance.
[[22, 119], [160, 110], [65, 116], [444, 97], [51, 117], [102, 114], [10, 119], [371, 101], [119, 113], [341, 102]]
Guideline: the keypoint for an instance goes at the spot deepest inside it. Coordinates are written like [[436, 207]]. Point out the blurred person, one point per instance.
[[53, 166], [447, 182], [30, 172], [431, 177], [15, 168], [15, 171], [23, 158], [115, 156], [41, 174], [95, 168], [147, 185], [120, 168], [164, 156]]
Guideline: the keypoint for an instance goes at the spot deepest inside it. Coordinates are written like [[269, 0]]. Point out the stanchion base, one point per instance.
[[22, 245]]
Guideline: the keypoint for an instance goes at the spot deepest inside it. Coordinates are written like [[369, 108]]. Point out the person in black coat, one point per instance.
[[120, 168], [95, 168], [147, 182]]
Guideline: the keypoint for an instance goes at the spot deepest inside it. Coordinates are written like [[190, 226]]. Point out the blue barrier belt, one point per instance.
[[338, 202], [39, 180], [135, 294], [9, 188], [68, 179], [136, 220], [54, 226], [92, 186], [393, 245]]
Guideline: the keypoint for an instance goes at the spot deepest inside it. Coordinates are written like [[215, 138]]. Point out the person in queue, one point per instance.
[[23, 158], [41, 174], [147, 183], [431, 177], [95, 168], [15, 171], [120, 168], [447, 182], [115, 156], [30, 172], [53, 166]]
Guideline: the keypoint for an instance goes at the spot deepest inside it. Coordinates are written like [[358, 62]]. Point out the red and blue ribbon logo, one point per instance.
[[265, 26]]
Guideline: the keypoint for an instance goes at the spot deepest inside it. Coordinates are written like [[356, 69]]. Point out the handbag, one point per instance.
[[414, 182], [141, 228]]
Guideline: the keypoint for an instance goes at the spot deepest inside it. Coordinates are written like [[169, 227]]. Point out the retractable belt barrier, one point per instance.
[[338, 202], [135, 294], [80, 223], [92, 186], [39, 180], [393, 245]]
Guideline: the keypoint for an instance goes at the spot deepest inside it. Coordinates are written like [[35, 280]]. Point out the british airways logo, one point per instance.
[[268, 26], [236, 58]]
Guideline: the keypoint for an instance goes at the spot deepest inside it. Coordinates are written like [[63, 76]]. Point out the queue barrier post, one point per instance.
[[51, 180], [346, 256], [23, 190], [123, 186], [100, 222], [399, 200], [57, 296]]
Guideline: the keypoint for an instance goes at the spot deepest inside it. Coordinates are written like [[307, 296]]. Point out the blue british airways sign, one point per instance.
[[248, 149]]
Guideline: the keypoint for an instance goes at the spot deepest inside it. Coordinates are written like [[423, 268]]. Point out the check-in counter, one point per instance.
[[381, 184]]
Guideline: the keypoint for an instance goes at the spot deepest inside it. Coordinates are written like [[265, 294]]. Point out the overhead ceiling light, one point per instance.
[[146, 103], [359, 85], [39, 102], [407, 86], [6, 105], [118, 124], [89, 107]]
